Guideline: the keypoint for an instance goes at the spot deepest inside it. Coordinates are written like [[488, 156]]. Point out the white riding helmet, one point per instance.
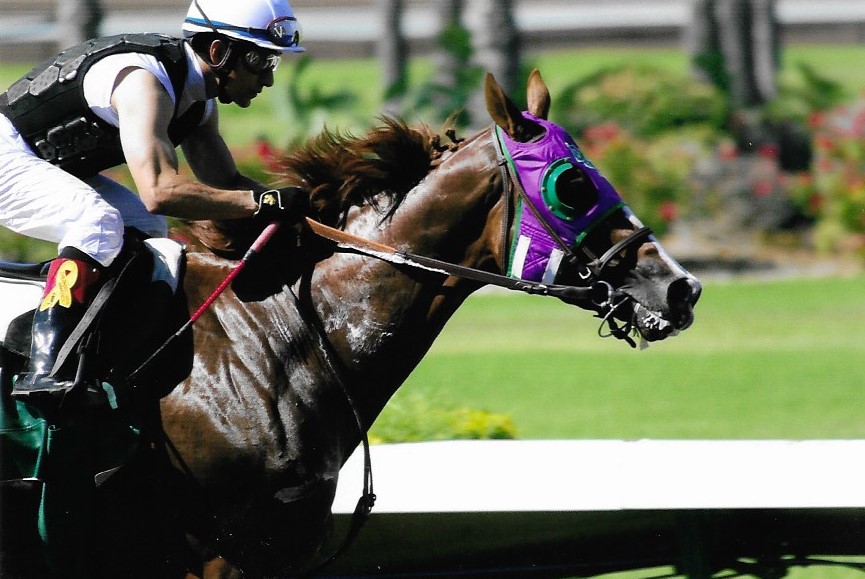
[[267, 23]]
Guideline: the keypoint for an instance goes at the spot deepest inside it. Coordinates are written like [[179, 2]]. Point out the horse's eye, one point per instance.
[[576, 191]]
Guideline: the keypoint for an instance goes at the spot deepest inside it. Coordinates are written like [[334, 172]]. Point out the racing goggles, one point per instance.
[[283, 31], [258, 62]]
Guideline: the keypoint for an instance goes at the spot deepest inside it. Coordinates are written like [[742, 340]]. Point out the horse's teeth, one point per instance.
[[654, 320]]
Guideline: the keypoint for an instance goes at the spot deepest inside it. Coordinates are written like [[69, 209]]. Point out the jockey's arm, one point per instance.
[[145, 110], [210, 159]]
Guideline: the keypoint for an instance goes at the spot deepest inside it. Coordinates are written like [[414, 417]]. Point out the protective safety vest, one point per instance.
[[48, 107]]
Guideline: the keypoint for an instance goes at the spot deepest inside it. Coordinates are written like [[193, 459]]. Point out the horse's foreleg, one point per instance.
[[212, 565], [217, 568]]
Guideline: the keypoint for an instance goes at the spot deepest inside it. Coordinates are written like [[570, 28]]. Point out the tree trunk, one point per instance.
[[766, 48], [734, 23], [446, 61], [734, 44], [496, 47], [392, 53], [701, 42], [77, 21]]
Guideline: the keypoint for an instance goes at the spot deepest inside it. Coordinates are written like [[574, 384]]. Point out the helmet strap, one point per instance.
[[221, 68]]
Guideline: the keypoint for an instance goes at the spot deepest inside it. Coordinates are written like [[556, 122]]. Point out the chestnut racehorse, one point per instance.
[[300, 355]]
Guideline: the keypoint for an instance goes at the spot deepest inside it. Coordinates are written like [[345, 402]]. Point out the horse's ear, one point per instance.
[[506, 114], [538, 95]]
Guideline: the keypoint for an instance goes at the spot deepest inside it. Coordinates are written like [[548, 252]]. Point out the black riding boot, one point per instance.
[[71, 286]]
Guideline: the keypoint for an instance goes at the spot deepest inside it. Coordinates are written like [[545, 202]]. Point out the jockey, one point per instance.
[[132, 99]]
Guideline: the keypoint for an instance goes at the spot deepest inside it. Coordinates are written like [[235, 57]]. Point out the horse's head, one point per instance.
[[571, 227]]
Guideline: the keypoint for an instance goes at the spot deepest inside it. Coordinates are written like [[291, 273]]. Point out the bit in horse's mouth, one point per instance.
[[649, 325], [639, 321], [652, 325], [648, 319]]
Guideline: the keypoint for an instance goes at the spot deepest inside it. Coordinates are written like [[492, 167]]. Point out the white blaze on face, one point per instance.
[[675, 267]]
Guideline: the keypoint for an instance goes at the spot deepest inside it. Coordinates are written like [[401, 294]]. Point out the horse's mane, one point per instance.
[[340, 171]]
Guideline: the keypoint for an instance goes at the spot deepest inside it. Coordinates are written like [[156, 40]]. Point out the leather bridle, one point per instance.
[[591, 268]]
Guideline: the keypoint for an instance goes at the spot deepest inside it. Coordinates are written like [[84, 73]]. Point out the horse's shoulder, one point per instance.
[[228, 239]]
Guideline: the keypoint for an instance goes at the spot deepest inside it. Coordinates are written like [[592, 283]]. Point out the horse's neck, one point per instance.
[[354, 318], [382, 318]]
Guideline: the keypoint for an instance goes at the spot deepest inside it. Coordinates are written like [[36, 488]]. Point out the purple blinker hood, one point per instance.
[[535, 255]]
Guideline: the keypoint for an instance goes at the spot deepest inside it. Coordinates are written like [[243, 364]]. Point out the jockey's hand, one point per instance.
[[286, 204]]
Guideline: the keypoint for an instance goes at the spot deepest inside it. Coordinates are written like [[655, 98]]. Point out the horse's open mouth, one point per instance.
[[628, 319], [651, 325]]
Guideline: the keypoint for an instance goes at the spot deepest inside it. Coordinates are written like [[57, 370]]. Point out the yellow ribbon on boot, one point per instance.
[[61, 292]]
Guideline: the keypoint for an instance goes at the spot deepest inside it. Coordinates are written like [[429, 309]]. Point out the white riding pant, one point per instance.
[[40, 200]]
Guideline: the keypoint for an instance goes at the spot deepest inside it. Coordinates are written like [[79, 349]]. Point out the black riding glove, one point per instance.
[[286, 204]]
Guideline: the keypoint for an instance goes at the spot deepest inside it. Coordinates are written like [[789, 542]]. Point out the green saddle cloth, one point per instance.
[[60, 467], [22, 441], [31, 449]]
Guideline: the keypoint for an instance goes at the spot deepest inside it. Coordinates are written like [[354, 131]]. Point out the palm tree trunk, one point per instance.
[[77, 21], [496, 47], [392, 53]]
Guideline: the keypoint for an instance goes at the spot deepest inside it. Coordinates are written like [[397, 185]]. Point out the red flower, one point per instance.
[[602, 132], [768, 151], [816, 119], [727, 151], [824, 143], [267, 153], [763, 188], [668, 211]]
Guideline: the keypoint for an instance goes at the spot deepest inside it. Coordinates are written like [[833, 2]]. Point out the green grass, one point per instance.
[[778, 359]]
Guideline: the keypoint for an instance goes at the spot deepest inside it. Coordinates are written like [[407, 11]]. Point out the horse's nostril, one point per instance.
[[696, 289], [685, 291]]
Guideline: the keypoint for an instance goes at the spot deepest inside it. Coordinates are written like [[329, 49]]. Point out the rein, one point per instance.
[[598, 293]]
